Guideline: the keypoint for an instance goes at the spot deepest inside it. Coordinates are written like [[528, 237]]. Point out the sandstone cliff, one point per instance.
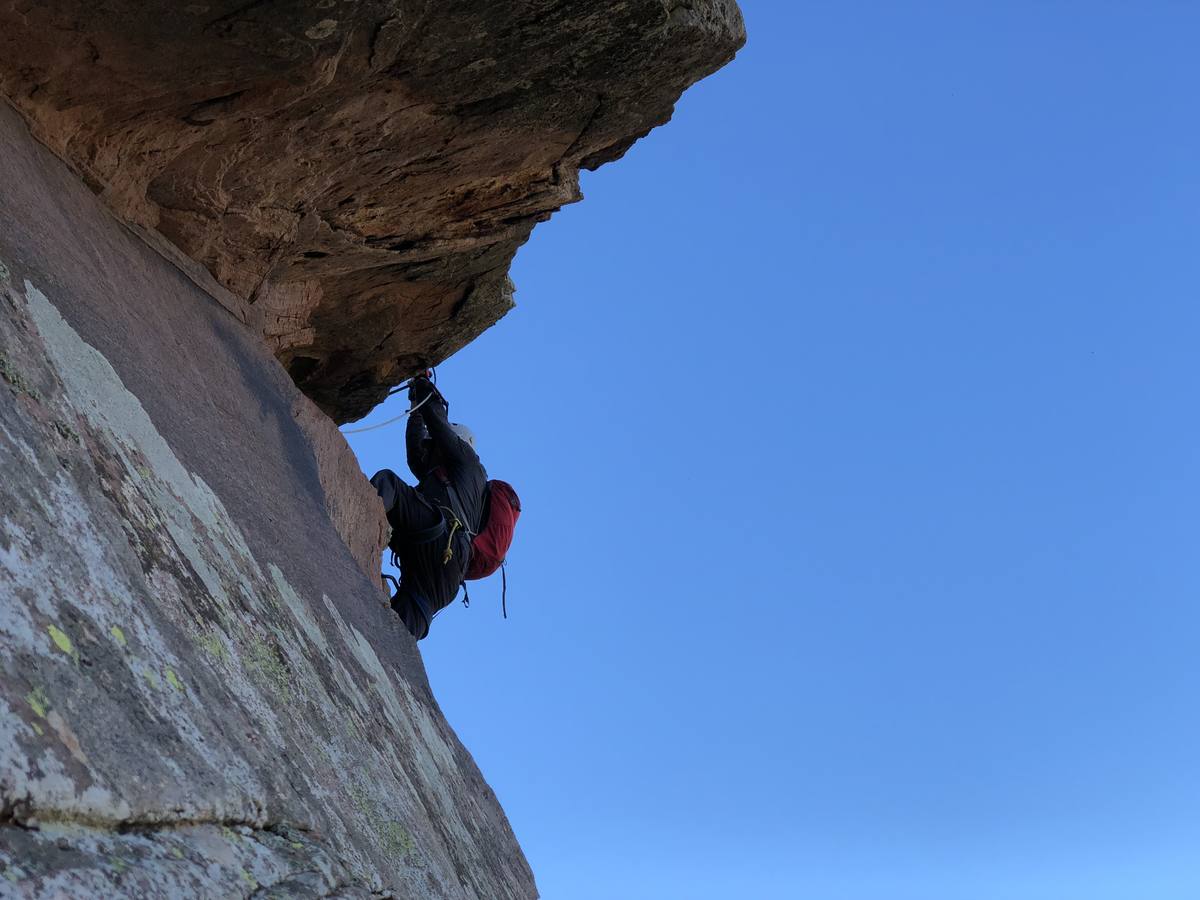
[[255, 218], [359, 173]]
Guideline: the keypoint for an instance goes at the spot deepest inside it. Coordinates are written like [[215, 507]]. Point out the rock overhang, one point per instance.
[[357, 176]]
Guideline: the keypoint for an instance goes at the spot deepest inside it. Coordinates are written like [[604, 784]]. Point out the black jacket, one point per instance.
[[448, 471]]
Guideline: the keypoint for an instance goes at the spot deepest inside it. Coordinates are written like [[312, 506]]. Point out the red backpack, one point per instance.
[[490, 546]]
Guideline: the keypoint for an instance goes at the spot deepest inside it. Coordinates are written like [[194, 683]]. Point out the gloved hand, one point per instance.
[[420, 388]]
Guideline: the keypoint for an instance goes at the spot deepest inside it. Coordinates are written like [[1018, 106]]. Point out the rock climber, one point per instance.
[[433, 523]]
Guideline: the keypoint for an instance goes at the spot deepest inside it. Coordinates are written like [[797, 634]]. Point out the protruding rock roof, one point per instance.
[[361, 174]]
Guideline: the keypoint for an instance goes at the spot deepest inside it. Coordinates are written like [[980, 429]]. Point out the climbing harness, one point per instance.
[[425, 535]]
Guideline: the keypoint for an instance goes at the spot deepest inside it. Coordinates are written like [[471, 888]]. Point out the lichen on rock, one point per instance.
[[184, 681]]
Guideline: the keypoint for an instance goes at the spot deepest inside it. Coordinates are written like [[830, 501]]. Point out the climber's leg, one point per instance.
[[409, 514], [413, 611], [418, 540], [388, 485]]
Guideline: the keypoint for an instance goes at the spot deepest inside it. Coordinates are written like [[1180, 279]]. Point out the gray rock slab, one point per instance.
[[202, 692]]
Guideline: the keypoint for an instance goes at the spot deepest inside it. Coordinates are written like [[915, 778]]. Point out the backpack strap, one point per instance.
[[460, 511], [457, 520]]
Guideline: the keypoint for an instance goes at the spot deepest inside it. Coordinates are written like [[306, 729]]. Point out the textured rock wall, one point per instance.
[[358, 172], [202, 690], [202, 693]]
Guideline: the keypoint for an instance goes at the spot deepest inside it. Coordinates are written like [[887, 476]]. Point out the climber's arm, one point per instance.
[[454, 449], [414, 436]]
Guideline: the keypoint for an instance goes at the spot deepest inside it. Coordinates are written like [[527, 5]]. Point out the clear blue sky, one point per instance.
[[854, 416]]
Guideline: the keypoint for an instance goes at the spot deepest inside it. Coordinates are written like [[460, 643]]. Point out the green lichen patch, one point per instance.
[[152, 679], [267, 668], [60, 639], [67, 432], [210, 642], [360, 798], [16, 381], [396, 840], [392, 835], [173, 681], [118, 635], [38, 702]]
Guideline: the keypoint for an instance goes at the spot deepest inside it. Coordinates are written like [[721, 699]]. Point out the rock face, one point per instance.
[[357, 175], [203, 694]]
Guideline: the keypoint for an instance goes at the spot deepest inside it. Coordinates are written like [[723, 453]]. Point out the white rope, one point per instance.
[[402, 415]]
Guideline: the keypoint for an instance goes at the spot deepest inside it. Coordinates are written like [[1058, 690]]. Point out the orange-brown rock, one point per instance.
[[357, 175]]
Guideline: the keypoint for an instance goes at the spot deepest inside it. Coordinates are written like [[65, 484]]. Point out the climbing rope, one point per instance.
[[403, 415], [455, 524], [431, 374]]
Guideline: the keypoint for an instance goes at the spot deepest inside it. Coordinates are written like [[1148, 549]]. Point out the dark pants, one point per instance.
[[418, 540]]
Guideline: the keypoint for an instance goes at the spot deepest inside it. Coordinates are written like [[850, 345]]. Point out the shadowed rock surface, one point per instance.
[[202, 692], [358, 175]]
